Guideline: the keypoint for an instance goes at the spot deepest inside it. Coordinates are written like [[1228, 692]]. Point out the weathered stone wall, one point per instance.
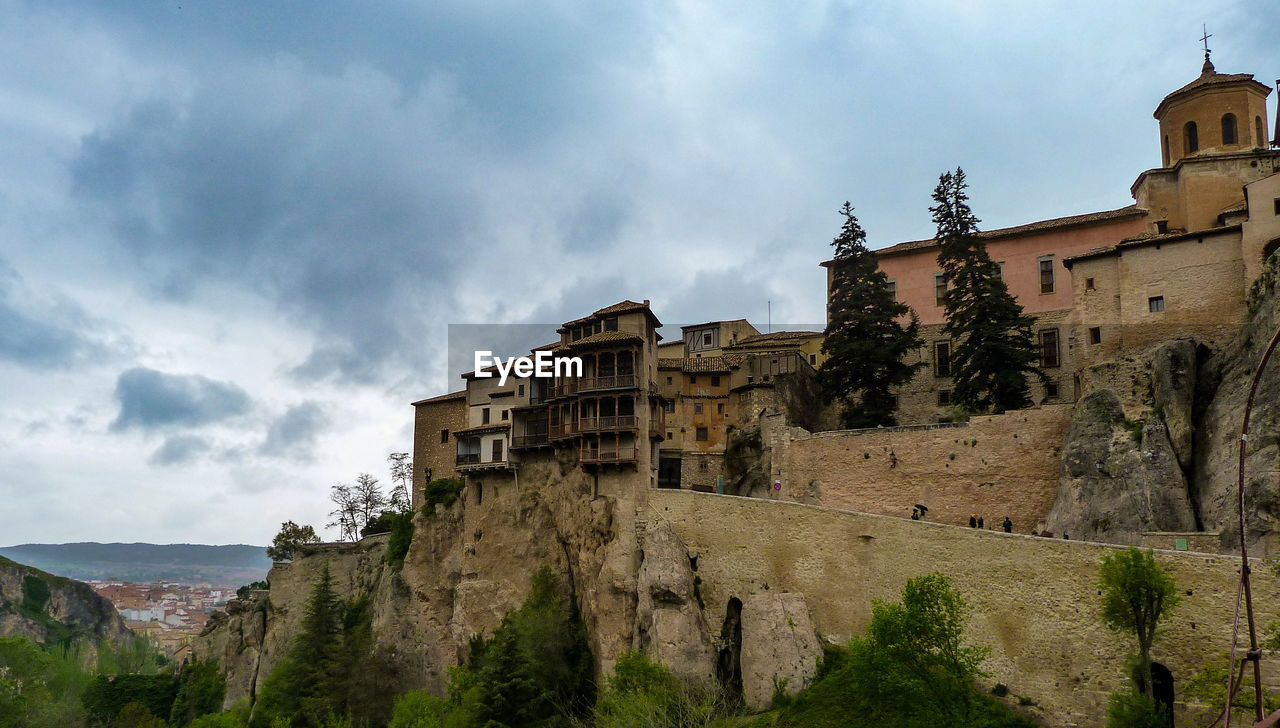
[[434, 448], [1035, 600], [993, 466]]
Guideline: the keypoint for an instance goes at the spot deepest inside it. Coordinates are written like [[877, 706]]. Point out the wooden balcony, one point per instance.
[[564, 430], [616, 381], [471, 458], [608, 424], [565, 389], [523, 441], [607, 456]]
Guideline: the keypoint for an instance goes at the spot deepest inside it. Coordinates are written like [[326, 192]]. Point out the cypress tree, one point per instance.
[[993, 350], [865, 343]]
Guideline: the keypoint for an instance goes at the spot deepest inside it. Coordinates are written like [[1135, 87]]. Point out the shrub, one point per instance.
[[201, 688], [442, 491], [107, 696], [1130, 709], [401, 536], [1000, 690]]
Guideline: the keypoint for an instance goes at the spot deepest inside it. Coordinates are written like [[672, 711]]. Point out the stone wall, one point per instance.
[[993, 466], [1035, 600], [434, 448]]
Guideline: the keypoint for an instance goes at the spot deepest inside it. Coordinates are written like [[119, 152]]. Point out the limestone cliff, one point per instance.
[[47, 608]]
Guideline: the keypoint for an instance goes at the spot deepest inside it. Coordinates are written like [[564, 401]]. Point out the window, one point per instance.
[[1162, 226], [942, 358], [1155, 304], [497, 451], [1229, 129], [715, 381], [701, 434], [1051, 390], [444, 436], [1088, 284], [505, 414], [1046, 274], [669, 382], [720, 408], [1095, 335], [669, 405], [520, 393], [697, 408], [1049, 351], [611, 324], [577, 333], [813, 362], [669, 436], [1000, 269], [893, 289], [693, 379], [944, 397], [706, 339], [1190, 138], [1259, 132], [1276, 203], [940, 289], [1166, 150], [484, 416]]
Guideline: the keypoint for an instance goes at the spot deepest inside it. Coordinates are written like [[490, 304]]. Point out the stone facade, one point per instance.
[[1035, 600], [992, 466], [434, 451]]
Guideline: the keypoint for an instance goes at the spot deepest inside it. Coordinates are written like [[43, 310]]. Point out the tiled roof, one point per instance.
[[480, 429], [1210, 77], [1138, 241], [627, 306], [604, 337], [460, 394], [1056, 223], [696, 364], [777, 337]]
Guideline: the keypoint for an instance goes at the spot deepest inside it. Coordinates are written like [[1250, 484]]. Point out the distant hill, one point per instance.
[[186, 563], [52, 609]]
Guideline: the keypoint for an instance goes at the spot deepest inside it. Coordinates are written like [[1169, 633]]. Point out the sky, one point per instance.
[[233, 234]]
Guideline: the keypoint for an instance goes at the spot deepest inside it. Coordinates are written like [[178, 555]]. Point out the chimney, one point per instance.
[[646, 301]]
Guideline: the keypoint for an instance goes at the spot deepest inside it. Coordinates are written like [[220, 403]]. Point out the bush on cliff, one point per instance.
[[441, 491]]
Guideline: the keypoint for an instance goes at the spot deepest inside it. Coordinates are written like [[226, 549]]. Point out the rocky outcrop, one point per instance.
[[1224, 390], [780, 648], [670, 626], [46, 608], [1120, 477]]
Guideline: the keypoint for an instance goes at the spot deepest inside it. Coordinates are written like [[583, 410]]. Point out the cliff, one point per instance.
[[46, 608]]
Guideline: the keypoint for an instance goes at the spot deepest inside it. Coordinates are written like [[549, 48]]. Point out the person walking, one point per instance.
[[1008, 525], [973, 520], [980, 526]]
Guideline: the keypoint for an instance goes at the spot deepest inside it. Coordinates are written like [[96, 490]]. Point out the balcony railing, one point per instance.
[[470, 458], [561, 431], [563, 389], [617, 455], [530, 440], [614, 381], [607, 424]]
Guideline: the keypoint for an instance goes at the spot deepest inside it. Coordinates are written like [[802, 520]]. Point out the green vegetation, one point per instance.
[[243, 591], [401, 535], [993, 346], [865, 344], [1209, 687], [1136, 593], [441, 491], [913, 668], [50, 687], [289, 539]]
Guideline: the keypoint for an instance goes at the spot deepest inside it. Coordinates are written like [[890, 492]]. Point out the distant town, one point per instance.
[[168, 612]]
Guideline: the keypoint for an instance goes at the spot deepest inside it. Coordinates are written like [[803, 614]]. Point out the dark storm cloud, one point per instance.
[[295, 431], [179, 450], [40, 334], [151, 400]]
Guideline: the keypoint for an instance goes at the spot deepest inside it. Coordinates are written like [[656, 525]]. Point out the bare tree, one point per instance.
[[370, 500], [401, 475], [345, 513]]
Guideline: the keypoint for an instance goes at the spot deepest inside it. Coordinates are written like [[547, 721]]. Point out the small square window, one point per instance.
[[611, 324], [813, 360], [715, 381], [693, 379], [520, 390], [505, 413], [701, 434], [1095, 335], [669, 405], [668, 380], [720, 408], [444, 436], [669, 436], [1051, 390], [484, 416], [944, 397], [1088, 284], [1155, 304], [697, 408], [706, 339]]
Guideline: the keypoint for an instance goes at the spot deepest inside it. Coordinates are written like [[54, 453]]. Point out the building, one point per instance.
[[1177, 262], [434, 452]]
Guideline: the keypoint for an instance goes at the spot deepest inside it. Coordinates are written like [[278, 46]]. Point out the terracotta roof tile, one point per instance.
[[604, 337], [460, 394], [777, 337], [1209, 77]]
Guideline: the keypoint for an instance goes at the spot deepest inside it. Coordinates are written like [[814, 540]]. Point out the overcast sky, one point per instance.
[[232, 234]]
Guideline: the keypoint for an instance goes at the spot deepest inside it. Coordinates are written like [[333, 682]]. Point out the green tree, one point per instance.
[[201, 688], [993, 347], [303, 684], [865, 343], [1136, 593], [291, 536]]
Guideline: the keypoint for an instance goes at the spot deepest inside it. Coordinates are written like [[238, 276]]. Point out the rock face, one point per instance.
[[670, 626], [1120, 477], [51, 608], [780, 648], [1224, 390]]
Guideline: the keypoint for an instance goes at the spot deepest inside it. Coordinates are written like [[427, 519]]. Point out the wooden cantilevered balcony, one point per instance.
[[605, 456], [608, 424], [563, 430], [613, 381], [535, 440], [468, 458], [566, 388]]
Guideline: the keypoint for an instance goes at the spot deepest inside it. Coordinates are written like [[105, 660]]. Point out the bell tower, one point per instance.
[[1217, 112]]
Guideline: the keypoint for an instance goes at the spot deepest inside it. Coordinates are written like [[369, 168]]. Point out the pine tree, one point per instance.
[[993, 350], [865, 343]]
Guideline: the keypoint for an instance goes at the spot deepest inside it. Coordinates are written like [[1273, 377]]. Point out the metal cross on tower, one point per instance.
[[1205, 39]]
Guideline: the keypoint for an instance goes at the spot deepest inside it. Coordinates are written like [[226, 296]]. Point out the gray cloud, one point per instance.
[[294, 432], [179, 450], [36, 333], [150, 399]]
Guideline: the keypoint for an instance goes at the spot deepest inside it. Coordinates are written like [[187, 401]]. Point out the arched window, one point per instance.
[[1189, 137], [1259, 132], [1166, 150], [1229, 129]]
